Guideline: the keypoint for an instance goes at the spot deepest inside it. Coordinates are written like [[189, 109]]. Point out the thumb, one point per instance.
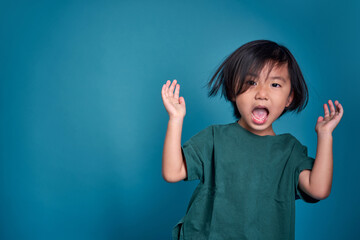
[[320, 119], [182, 101]]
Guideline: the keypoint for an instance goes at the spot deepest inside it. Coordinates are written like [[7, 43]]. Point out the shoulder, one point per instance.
[[203, 136], [292, 139], [216, 128], [297, 147], [212, 131], [224, 128]]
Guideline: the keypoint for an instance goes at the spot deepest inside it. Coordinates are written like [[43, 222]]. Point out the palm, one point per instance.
[[331, 119], [174, 105]]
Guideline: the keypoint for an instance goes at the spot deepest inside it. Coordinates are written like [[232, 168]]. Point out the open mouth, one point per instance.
[[260, 114]]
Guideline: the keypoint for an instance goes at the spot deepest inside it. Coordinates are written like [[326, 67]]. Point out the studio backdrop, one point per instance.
[[82, 123]]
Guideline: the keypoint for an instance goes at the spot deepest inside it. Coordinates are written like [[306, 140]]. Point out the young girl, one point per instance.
[[249, 176]]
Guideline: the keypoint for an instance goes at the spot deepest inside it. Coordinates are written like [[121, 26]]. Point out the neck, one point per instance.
[[265, 132]]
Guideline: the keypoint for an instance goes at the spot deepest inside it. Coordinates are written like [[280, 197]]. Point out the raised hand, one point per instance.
[[174, 105], [328, 123]]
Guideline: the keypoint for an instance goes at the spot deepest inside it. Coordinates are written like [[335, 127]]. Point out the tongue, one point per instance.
[[260, 113]]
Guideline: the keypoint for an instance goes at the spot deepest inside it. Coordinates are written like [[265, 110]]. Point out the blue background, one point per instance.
[[82, 123]]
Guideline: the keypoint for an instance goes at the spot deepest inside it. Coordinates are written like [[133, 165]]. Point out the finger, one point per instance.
[[167, 88], [340, 110], [164, 92], [171, 90], [177, 90], [326, 110], [337, 111], [320, 119], [163, 89], [332, 108]]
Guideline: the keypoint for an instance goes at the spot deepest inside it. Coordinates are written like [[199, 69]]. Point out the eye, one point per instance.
[[251, 82], [276, 85]]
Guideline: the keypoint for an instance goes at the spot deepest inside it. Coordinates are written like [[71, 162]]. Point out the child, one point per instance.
[[249, 176]]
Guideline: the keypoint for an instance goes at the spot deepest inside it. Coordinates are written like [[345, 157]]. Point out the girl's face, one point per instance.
[[265, 99]]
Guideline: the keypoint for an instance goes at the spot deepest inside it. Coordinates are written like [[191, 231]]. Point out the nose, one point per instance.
[[261, 92]]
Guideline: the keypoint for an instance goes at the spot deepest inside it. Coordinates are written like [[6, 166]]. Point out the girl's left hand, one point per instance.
[[328, 123]]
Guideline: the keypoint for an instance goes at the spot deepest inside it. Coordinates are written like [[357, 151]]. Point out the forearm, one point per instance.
[[172, 160], [322, 171]]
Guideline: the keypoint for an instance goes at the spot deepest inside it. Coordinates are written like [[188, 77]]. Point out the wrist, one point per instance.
[[176, 120], [322, 135]]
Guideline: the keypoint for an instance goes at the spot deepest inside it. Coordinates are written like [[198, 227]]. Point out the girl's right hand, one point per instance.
[[174, 105]]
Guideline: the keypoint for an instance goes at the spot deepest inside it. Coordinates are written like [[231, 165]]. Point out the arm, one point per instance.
[[173, 164], [317, 182]]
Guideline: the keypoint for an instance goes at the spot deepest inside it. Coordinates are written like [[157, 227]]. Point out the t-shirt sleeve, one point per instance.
[[197, 152], [302, 162]]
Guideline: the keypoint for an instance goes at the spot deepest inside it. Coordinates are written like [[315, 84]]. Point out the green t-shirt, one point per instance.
[[248, 185]]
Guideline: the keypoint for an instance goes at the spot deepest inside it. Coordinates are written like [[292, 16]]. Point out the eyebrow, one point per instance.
[[273, 77], [278, 77]]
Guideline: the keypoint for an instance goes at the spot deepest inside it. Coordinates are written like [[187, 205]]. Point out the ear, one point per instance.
[[290, 98]]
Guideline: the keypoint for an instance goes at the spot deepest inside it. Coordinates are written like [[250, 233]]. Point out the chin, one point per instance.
[[260, 128]]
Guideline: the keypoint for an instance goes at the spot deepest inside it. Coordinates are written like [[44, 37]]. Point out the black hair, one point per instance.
[[251, 58]]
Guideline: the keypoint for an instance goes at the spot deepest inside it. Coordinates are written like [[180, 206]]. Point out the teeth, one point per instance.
[[260, 119], [260, 114]]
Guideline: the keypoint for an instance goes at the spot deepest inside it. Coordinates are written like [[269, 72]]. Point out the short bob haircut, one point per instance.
[[250, 58]]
